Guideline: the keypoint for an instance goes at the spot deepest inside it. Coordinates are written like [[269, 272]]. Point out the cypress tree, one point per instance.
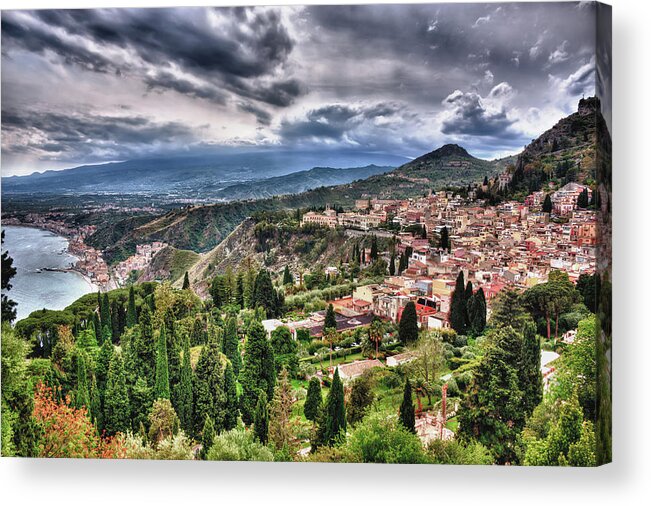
[[82, 395], [458, 306], [261, 418], [143, 347], [531, 380], [183, 389], [173, 349], [208, 394], [141, 397], [408, 326], [445, 239], [264, 294], [313, 400], [477, 312], [97, 328], [115, 321], [407, 412], [95, 408], [258, 370], [374, 252], [198, 335], [105, 318], [103, 363], [186, 281], [335, 411], [392, 265], [583, 200], [162, 384], [207, 437], [231, 411], [116, 399], [231, 344], [330, 318], [132, 315], [547, 204], [467, 296], [239, 289]]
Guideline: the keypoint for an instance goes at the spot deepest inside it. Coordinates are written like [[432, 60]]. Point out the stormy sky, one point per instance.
[[90, 86]]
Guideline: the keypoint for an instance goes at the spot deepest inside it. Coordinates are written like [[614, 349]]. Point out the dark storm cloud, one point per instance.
[[263, 117], [334, 121], [89, 137], [471, 117], [166, 81], [233, 47]]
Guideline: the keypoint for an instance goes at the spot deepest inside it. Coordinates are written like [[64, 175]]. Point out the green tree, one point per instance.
[[458, 315], [374, 251], [141, 399], [285, 349], [361, 398], [186, 281], [19, 427], [82, 393], [547, 204], [569, 440], [207, 437], [116, 399], [408, 326], [531, 381], [445, 239], [8, 272], [105, 318], [507, 309], [334, 419], [163, 421], [142, 347], [261, 418], [264, 294], [132, 314], [95, 407], [280, 413], [232, 410], [330, 318], [407, 412], [258, 370], [492, 412], [162, 383], [183, 389], [313, 400], [231, 344], [209, 397], [477, 312]]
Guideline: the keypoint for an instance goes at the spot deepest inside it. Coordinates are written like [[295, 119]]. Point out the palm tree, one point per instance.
[[375, 332], [330, 336]]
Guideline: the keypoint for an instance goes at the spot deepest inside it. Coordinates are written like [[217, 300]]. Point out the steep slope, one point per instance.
[[564, 153], [201, 228]]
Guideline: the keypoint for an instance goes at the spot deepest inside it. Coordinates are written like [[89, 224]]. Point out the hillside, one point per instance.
[[562, 154], [201, 228], [298, 182]]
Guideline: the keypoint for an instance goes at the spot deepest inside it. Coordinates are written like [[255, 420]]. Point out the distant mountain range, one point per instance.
[[201, 228], [298, 182], [209, 176]]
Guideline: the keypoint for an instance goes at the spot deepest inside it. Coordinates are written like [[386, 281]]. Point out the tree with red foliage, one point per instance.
[[67, 432]]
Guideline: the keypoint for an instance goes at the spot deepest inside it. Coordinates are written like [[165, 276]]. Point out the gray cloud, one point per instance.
[[404, 77], [70, 138]]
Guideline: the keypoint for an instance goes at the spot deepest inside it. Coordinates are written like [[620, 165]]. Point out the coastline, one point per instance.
[[73, 268]]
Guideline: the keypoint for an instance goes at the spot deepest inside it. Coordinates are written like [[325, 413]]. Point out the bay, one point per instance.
[[33, 288]]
